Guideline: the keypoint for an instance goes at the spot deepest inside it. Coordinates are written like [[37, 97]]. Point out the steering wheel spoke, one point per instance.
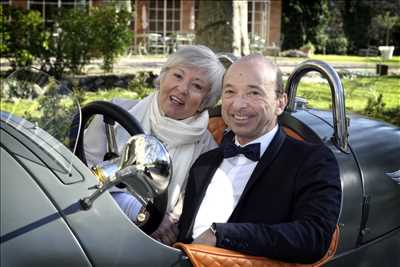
[[112, 148], [112, 113]]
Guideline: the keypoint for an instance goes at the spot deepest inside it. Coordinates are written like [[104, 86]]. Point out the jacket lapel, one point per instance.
[[262, 166]]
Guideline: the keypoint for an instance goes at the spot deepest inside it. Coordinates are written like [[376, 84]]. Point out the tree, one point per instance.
[[75, 40], [28, 37], [222, 26], [4, 32], [318, 34], [305, 21], [112, 33], [386, 21], [337, 42], [358, 16]]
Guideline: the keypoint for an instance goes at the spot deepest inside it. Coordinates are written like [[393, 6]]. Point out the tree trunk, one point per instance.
[[387, 37], [214, 25]]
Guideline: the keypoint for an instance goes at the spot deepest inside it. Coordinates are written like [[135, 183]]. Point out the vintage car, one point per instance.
[[55, 211]]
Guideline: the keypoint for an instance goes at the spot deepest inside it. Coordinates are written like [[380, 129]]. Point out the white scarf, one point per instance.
[[185, 141]]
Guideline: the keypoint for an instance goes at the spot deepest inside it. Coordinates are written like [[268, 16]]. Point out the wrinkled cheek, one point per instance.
[[197, 100]]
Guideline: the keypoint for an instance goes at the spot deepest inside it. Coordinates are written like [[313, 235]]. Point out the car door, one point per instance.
[[33, 232]]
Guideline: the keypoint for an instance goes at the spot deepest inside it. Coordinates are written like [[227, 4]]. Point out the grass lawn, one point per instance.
[[394, 62], [20, 106], [357, 92], [318, 95], [108, 95]]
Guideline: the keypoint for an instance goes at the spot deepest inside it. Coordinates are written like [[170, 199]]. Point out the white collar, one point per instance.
[[264, 140]]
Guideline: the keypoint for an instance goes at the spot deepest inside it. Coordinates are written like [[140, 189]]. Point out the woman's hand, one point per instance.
[[167, 232]]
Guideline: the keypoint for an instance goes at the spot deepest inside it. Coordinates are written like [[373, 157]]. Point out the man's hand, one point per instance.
[[207, 238], [167, 232]]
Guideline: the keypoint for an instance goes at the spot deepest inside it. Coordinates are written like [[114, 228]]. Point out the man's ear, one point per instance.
[[281, 104]]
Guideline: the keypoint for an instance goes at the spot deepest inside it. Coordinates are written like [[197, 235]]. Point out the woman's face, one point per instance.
[[182, 90]]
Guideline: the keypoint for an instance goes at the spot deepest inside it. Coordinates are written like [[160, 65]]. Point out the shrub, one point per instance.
[[28, 37], [308, 48], [386, 22], [337, 45], [112, 33], [321, 42], [55, 108], [142, 84], [392, 115], [75, 38], [4, 32], [11, 90], [375, 108]]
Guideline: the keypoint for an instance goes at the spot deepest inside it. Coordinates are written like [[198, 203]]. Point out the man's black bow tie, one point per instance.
[[251, 151]]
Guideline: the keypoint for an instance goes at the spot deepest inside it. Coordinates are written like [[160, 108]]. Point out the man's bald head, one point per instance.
[[267, 66]]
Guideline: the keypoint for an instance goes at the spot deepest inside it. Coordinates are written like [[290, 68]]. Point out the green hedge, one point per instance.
[[76, 37]]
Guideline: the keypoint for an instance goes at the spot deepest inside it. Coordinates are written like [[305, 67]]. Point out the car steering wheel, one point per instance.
[[112, 113]]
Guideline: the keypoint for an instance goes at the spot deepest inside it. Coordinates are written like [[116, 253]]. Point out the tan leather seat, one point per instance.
[[217, 126], [203, 256]]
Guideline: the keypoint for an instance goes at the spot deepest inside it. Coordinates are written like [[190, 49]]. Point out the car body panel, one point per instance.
[[104, 232], [377, 157], [29, 227], [370, 198], [383, 251], [375, 146]]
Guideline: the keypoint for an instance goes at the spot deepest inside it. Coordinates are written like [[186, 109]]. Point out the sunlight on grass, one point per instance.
[[108, 95], [394, 62], [21, 106], [357, 59], [357, 92]]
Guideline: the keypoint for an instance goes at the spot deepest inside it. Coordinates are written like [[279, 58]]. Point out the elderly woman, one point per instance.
[[189, 83]]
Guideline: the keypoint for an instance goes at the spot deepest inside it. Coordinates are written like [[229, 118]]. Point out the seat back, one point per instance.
[[217, 126], [203, 255]]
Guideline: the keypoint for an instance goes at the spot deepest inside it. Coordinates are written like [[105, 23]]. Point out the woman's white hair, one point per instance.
[[198, 56]]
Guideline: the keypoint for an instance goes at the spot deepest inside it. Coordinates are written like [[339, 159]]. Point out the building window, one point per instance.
[[5, 3], [50, 9], [119, 4], [164, 16], [258, 19]]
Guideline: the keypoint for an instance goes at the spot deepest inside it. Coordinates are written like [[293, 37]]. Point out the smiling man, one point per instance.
[[261, 192]]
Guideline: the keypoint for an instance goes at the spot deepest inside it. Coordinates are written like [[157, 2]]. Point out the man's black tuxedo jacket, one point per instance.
[[289, 208]]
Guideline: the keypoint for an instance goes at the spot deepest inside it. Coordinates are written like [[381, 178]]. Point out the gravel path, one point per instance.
[[133, 64]]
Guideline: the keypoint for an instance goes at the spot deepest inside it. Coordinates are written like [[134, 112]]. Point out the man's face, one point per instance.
[[249, 103]]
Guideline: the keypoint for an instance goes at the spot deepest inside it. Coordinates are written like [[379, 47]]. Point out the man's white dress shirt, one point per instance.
[[227, 186]]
